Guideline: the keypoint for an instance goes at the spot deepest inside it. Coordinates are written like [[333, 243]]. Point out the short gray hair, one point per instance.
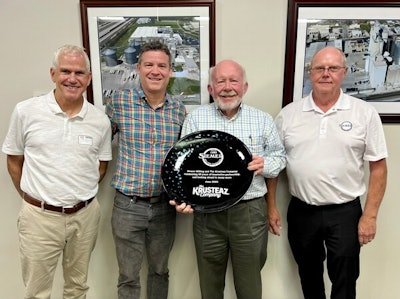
[[70, 49], [212, 69]]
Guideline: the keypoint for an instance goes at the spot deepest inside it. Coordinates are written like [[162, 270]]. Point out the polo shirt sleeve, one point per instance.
[[14, 141], [375, 143], [105, 150]]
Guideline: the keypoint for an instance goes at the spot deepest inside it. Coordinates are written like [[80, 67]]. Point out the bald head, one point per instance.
[[328, 51]]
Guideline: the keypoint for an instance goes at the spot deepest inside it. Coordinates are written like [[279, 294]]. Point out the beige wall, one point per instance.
[[252, 32]]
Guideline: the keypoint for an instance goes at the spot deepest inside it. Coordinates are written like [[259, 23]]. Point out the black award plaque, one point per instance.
[[208, 170]]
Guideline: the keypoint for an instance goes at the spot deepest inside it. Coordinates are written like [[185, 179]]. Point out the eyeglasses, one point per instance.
[[330, 69]]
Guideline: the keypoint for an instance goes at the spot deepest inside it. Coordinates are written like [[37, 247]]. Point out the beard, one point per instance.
[[228, 106]]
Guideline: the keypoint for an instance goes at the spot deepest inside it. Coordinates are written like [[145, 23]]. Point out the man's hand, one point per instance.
[[274, 221], [366, 229], [256, 165], [181, 208]]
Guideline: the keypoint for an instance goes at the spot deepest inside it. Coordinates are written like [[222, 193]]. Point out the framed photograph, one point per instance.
[[368, 32], [114, 31]]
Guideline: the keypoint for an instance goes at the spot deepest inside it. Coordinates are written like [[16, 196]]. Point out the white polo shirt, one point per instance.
[[61, 154], [326, 151]]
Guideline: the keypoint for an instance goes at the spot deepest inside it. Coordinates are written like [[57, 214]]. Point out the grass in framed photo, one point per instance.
[[114, 31], [368, 32]]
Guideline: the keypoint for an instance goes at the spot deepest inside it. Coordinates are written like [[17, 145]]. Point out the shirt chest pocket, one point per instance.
[[255, 144]]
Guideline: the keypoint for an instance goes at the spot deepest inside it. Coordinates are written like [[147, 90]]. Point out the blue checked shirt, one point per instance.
[[254, 128], [144, 137]]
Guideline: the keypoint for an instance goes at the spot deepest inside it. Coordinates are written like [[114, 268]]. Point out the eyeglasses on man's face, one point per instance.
[[330, 69]]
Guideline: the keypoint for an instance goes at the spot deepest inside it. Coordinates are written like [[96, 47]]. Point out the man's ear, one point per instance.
[[210, 90], [52, 71], [245, 87]]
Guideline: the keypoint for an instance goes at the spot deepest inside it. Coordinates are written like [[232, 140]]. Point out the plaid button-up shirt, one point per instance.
[[255, 128], [145, 135]]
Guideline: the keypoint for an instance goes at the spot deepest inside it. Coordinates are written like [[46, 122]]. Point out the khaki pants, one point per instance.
[[44, 236]]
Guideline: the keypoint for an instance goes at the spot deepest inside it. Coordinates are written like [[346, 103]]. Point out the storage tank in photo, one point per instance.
[[130, 55], [110, 56]]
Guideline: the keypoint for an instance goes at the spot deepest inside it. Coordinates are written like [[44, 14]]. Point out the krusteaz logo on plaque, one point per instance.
[[208, 170]]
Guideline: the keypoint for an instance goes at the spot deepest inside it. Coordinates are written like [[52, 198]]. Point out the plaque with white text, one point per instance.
[[208, 170]]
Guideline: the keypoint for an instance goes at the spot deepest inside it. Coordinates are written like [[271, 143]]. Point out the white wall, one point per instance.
[[252, 32]]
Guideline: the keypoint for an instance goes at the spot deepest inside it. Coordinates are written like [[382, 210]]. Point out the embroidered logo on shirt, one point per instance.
[[212, 157], [346, 126]]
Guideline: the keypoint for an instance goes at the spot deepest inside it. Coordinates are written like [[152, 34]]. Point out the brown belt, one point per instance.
[[71, 210]]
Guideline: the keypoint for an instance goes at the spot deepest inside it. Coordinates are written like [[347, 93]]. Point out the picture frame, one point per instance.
[[345, 23], [113, 32]]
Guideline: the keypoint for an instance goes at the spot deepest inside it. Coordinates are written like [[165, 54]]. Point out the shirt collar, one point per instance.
[[223, 115], [343, 103], [56, 109], [142, 96]]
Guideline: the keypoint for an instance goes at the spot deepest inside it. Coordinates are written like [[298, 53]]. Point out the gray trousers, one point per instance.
[[140, 227], [241, 232]]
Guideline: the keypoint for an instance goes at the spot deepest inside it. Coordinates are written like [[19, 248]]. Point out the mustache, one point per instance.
[[227, 94]]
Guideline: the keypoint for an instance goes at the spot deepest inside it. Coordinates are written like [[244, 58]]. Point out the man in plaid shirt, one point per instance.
[[241, 231], [148, 122]]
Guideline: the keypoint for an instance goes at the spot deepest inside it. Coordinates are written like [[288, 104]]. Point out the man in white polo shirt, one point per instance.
[[328, 136], [57, 147]]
